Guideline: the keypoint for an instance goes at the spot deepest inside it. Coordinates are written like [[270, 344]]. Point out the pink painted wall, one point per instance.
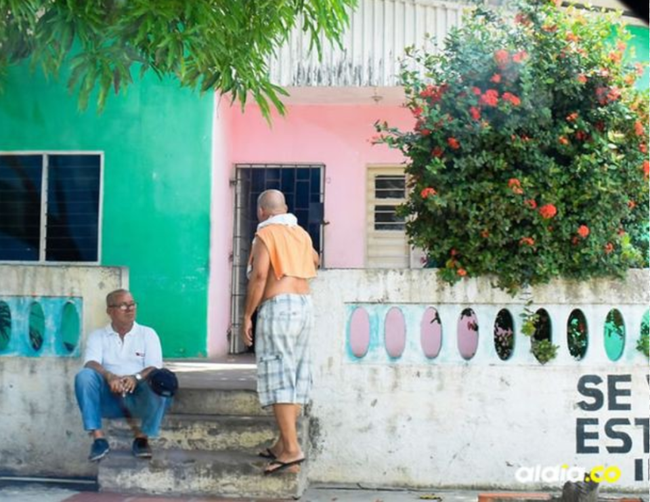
[[337, 136], [221, 209]]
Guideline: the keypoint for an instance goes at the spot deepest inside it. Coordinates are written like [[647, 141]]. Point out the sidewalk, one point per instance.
[[40, 493], [44, 493]]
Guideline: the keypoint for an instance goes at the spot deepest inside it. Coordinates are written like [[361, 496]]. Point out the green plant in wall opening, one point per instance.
[[528, 158], [537, 326], [577, 335], [543, 350]]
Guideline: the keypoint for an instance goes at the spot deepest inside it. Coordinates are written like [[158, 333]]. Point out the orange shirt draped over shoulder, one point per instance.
[[291, 251]]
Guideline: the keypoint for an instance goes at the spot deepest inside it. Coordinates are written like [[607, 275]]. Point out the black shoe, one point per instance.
[[98, 450], [141, 448]]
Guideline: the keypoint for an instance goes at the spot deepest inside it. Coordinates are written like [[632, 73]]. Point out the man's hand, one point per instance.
[[247, 332], [115, 383], [129, 383]]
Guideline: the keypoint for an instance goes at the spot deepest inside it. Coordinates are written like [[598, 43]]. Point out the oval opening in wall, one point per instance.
[[70, 327], [504, 334], [395, 332], [36, 326], [577, 334], [467, 334], [359, 332], [5, 326], [431, 333], [614, 335]]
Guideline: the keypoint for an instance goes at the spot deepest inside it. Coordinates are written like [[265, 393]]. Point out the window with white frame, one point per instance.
[[386, 241], [50, 206]]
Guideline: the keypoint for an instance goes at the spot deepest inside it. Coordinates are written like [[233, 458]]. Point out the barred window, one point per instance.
[[49, 207]]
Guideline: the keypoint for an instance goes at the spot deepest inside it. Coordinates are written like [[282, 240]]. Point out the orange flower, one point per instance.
[[526, 241], [621, 46], [453, 143], [615, 56], [582, 78], [638, 128], [437, 152], [427, 192], [631, 204], [547, 211], [462, 272], [572, 117], [581, 135], [531, 203], [514, 182], [453, 252], [485, 234], [646, 168], [563, 140], [643, 148], [496, 78], [583, 231], [572, 37], [639, 69], [475, 112], [511, 98], [609, 247], [519, 56], [629, 79], [476, 91], [490, 98], [501, 57]]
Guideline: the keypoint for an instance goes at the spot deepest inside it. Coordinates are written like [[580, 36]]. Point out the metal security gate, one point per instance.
[[302, 186]]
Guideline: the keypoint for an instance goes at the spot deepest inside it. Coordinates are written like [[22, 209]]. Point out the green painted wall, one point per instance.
[[156, 208], [639, 42]]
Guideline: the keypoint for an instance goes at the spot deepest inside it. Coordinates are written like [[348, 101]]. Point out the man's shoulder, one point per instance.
[[100, 332], [145, 330]]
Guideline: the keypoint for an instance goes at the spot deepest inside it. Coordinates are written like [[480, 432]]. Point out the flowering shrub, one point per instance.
[[529, 153]]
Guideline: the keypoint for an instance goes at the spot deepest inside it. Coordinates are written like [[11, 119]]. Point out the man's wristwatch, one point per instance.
[[138, 377]]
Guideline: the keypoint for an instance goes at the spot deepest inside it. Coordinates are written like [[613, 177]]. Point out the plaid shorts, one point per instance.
[[282, 349]]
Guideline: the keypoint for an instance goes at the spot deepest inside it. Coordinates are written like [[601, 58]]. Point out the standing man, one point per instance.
[[283, 259], [119, 358]]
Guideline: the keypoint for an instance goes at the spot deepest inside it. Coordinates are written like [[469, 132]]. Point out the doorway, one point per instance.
[[302, 186]]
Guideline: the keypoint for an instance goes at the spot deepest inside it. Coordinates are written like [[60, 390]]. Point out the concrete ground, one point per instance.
[[45, 493]]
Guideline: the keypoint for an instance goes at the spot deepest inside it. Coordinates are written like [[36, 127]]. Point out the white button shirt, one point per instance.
[[139, 349]]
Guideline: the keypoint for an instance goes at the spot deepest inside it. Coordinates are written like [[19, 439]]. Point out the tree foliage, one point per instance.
[[207, 44], [528, 159]]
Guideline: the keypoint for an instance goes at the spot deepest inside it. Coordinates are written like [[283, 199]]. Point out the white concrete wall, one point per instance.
[[442, 422], [41, 432]]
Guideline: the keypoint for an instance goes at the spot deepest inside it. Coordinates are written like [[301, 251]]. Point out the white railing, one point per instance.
[[372, 45]]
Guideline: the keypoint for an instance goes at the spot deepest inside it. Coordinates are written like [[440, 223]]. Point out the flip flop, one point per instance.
[[281, 465], [267, 453]]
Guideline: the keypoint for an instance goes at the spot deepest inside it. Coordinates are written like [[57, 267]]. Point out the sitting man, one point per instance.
[[112, 384]]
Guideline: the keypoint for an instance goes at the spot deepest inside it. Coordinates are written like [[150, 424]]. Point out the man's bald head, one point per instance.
[[271, 202]]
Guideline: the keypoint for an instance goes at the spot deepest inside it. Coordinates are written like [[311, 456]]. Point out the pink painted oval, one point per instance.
[[431, 333], [395, 332], [467, 334], [359, 332]]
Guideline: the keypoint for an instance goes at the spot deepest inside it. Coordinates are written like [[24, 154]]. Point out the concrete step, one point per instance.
[[227, 474], [205, 401], [206, 432]]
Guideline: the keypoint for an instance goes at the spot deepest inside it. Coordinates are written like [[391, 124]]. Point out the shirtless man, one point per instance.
[[283, 259]]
